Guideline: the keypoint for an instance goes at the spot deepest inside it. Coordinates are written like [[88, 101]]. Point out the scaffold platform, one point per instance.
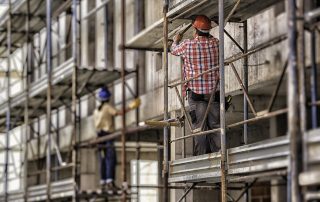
[[257, 158], [59, 189], [19, 13], [181, 14]]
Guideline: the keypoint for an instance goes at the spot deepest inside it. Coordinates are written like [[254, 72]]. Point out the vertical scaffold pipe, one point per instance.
[[165, 103], [75, 118], [302, 139], [245, 82], [293, 115], [313, 79], [123, 67], [49, 83], [8, 113], [106, 35], [140, 70], [222, 105], [26, 108]]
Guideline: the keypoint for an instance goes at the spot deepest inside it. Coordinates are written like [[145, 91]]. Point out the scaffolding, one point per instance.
[[63, 84], [270, 158], [281, 156]]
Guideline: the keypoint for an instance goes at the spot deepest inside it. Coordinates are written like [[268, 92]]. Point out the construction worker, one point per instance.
[[200, 54], [104, 124]]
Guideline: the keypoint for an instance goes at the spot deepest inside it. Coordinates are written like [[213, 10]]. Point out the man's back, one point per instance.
[[199, 54], [103, 118]]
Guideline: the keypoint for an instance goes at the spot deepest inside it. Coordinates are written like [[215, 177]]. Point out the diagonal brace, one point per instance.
[[186, 193], [231, 12], [243, 89], [212, 97], [234, 41], [130, 89], [84, 84], [184, 109], [246, 189], [275, 92]]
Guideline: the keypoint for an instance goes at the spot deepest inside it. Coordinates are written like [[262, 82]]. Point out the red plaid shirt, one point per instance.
[[199, 54]]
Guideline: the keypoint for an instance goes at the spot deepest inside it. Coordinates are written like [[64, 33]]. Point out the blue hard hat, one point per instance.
[[104, 94]]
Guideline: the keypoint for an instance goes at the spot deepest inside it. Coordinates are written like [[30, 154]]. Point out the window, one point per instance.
[[148, 176]]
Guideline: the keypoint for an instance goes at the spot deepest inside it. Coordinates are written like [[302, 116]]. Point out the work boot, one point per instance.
[[111, 188], [103, 185]]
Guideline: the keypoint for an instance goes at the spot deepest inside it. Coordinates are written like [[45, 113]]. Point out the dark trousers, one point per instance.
[[107, 158], [198, 104]]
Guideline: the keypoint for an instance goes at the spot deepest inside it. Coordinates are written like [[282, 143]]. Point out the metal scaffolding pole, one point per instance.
[[140, 68], [246, 95], [302, 143], [140, 25], [26, 109], [294, 193], [165, 172], [245, 102], [222, 105], [301, 64], [245, 81], [138, 153], [123, 85], [138, 149], [302, 86], [313, 79], [106, 35], [58, 55], [49, 81], [75, 115], [38, 150], [58, 158], [8, 113]]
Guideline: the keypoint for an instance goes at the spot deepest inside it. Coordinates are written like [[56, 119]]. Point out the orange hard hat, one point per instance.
[[202, 23]]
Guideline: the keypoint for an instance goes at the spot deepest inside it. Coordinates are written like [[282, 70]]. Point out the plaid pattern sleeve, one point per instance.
[[178, 49]]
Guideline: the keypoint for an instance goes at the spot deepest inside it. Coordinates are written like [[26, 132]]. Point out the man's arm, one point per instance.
[[133, 105], [177, 48], [119, 112]]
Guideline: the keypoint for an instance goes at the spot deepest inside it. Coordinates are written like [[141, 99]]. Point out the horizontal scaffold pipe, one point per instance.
[[57, 168], [162, 123], [314, 103], [144, 49], [237, 57], [181, 186], [236, 179], [265, 116], [116, 135]]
